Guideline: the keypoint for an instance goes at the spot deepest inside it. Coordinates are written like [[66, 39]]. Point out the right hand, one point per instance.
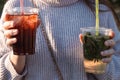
[[17, 61], [9, 32]]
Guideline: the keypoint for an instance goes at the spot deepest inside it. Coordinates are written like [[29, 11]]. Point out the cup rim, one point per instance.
[[94, 29], [27, 10]]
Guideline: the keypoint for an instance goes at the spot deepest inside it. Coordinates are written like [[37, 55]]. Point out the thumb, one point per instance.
[[81, 38]]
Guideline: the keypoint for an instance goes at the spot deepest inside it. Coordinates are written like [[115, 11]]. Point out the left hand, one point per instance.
[[108, 52]]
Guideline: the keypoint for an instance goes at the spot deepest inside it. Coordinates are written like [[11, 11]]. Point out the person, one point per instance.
[[62, 20]]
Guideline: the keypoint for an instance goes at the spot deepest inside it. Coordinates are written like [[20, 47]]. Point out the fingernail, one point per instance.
[[12, 24], [14, 32]]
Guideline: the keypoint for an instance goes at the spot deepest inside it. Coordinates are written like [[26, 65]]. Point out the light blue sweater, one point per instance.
[[63, 28]]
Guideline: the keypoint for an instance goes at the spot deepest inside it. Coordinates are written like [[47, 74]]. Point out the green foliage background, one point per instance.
[[116, 2], [1, 4], [116, 5]]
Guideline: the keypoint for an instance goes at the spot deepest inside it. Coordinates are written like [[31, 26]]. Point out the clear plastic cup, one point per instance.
[[92, 46], [26, 23]]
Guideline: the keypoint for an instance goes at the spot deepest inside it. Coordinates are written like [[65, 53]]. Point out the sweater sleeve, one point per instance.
[[113, 68], [7, 71]]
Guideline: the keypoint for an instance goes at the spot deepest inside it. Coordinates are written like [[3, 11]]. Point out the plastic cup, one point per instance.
[[26, 24], [92, 46]]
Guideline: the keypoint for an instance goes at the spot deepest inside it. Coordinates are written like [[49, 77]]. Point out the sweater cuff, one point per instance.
[[11, 69]]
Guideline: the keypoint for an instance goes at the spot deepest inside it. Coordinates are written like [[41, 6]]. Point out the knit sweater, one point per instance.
[[62, 24]]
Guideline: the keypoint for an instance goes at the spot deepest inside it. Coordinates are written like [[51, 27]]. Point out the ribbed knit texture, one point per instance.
[[62, 25]]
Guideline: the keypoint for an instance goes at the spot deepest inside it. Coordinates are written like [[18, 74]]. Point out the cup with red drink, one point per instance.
[[26, 24]]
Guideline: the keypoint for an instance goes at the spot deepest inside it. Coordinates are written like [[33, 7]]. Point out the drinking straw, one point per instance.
[[22, 6], [97, 16]]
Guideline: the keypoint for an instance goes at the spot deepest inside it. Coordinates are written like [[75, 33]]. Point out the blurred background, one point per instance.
[[2, 2], [116, 5]]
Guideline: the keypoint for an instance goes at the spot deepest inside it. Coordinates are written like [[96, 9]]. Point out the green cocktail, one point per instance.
[[92, 46]]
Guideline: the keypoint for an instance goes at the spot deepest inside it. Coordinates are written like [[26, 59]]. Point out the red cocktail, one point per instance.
[[26, 24]]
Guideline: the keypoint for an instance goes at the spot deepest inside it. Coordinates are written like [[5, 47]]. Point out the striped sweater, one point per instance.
[[62, 24]]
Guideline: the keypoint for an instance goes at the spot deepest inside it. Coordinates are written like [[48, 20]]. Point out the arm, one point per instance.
[[7, 70], [11, 66], [113, 68]]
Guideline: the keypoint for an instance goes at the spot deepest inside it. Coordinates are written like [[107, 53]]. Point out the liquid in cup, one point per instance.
[[26, 24]]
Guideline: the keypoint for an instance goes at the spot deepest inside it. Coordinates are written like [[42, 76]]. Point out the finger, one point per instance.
[[10, 33], [108, 53], [8, 25], [110, 43], [11, 41], [107, 60]]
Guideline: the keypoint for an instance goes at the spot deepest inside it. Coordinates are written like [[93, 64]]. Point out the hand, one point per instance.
[[9, 32], [108, 52], [17, 61]]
